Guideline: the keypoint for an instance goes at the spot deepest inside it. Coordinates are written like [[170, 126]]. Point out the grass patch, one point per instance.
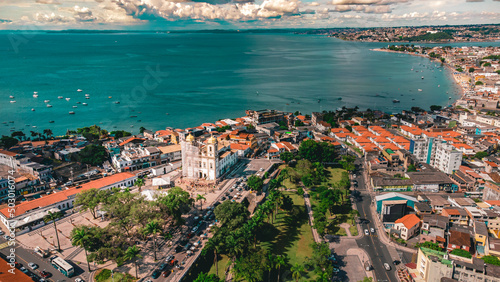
[[339, 231], [290, 235], [222, 264], [353, 230], [105, 276], [289, 184]]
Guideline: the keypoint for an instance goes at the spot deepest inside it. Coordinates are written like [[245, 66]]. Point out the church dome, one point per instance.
[[212, 140], [190, 138]]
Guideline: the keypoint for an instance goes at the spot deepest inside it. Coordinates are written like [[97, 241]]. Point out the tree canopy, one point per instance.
[[231, 215], [317, 151], [255, 183], [92, 155]]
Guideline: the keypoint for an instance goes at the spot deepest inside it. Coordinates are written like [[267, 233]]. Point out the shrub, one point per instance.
[[103, 275]]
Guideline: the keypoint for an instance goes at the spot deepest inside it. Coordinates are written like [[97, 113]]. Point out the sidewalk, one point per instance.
[[307, 202]]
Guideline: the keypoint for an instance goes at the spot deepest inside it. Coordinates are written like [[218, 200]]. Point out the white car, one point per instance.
[[33, 265], [78, 280], [366, 232], [387, 266]]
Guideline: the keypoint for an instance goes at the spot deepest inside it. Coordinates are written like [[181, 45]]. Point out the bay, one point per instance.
[[183, 80]]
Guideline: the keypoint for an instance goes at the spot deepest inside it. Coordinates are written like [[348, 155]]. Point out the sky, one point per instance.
[[240, 14]]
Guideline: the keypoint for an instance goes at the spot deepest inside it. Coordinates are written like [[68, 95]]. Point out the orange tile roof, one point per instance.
[[339, 130], [64, 194], [130, 140], [451, 211], [18, 275], [236, 146], [493, 202], [409, 220], [8, 153]]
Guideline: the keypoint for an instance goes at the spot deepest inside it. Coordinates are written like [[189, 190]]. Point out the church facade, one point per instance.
[[205, 160]]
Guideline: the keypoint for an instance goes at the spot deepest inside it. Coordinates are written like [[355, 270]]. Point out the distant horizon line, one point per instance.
[[232, 30]]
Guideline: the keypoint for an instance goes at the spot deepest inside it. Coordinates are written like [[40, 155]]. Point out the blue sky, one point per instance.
[[242, 14]]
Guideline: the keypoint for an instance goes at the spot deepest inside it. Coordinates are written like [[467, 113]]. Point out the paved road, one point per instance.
[[24, 257], [378, 252]]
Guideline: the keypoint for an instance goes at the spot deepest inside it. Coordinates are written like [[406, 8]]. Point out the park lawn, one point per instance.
[[354, 230], [340, 232], [334, 176], [291, 235], [223, 262], [105, 275], [289, 184]]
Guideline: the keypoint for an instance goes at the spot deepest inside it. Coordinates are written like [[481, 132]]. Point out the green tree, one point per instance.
[[481, 155], [7, 141], [307, 180], [142, 129], [200, 198], [175, 203], [461, 253], [411, 168], [132, 253], [53, 216], [251, 268], [93, 155], [120, 133], [18, 134], [213, 244], [471, 69], [80, 237], [297, 271], [139, 183], [153, 228], [278, 263], [435, 108], [491, 260], [367, 279], [255, 183], [203, 277], [479, 82], [89, 200], [231, 215], [47, 132]]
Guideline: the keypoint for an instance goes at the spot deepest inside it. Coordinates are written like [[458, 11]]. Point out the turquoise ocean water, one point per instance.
[[182, 80]]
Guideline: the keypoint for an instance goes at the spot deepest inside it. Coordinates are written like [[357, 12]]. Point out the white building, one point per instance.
[[135, 158], [445, 157], [205, 161]]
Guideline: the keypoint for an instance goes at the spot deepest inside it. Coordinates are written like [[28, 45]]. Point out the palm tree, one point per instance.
[[200, 198], [47, 132], [132, 253], [271, 259], [214, 244], [279, 261], [153, 227], [53, 217], [297, 270], [233, 247], [139, 183], [354, 214], [80, 237]]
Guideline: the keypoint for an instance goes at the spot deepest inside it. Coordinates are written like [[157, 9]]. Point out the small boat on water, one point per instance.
[[395, 101], [35, 95], [78, 102], [133, 116], [46, 101], [109, 97], [422, 77], [79, 90], [67, 99], [439, 85], [167, 114], [449, 97], [87, 95], [51, 121], [419, 90], [32, 109], [49, 106], [71, 113], [34, 92], [12, 102], [60, 97], [340, 98], [117, 102], [75, 106], [12, 97], [85, 104]]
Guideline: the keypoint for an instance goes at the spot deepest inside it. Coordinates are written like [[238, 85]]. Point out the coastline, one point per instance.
[[457, 78]]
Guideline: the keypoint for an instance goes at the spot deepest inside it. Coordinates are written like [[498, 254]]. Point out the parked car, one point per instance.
[[396, 262], [1, 232], [173, 262], [169, 258], [32, 265], [78, 280], [366, 232], [156, 274], [163, 266], [336, 270], [387, 266], [23, 269], [166, 273], [44, 273]]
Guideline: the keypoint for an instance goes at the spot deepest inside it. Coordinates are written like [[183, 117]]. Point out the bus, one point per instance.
[[63, 266]]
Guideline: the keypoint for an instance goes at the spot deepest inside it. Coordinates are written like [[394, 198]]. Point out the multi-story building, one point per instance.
[[205, 161], [437, 153], [135, 158], [265, 116]]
